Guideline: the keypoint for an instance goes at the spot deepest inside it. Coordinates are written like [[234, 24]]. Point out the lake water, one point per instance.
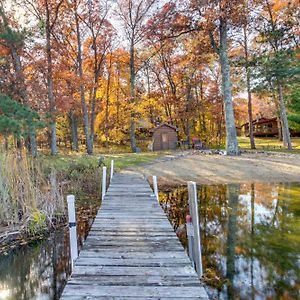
[[250, 236], [40, 270]]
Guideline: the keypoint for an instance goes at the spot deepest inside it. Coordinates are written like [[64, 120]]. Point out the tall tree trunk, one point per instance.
[[232, 147], [133, 100], [283, 115], [188, 125], [6, 142], [200, 105], [23, 93], [84, 107], [74, 131], [151, 110], [51, 99], [118, 98], [285, 125], [279, 124], [107, 102], [93, 116], [248, 75]]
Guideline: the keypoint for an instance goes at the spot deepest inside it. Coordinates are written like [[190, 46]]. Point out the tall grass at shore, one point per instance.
[[33, 190], [29, 200]]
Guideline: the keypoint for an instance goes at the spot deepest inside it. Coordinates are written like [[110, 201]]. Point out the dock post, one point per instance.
[[155, 187], [193, 206], [103, 182], [72, 228], [111, 170], [190, 236]]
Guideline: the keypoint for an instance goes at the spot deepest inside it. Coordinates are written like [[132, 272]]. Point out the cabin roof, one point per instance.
[[261, 121], [164, 124]]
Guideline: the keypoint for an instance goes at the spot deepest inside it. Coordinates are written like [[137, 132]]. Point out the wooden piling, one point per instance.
[[111, 170], [72, 228], [193, 206], [155, 188], [190, 236], [103, 182]]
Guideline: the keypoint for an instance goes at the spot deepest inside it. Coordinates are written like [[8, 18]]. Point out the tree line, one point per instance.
[[101, 71]]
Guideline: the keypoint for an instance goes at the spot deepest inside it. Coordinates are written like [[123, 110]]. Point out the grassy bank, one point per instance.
[[33, 191]]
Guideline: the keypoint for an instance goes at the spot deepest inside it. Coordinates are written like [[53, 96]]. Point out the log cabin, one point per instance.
[[262, 127]]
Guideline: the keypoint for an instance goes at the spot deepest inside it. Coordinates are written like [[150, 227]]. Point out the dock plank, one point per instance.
[[132, 251]]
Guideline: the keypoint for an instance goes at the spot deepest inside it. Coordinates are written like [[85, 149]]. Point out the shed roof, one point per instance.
[[165, 124]]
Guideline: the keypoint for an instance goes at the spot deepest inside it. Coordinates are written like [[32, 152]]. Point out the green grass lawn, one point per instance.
[[121, 161], [269, 144]]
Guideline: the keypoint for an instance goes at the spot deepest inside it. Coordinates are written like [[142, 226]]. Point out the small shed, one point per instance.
[[165, 137]]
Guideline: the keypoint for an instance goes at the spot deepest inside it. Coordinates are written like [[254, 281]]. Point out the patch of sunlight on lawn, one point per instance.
[[269, 144]]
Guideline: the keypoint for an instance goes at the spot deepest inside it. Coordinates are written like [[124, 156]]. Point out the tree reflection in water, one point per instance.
[[34, 271], [250, 235], [40, 270]]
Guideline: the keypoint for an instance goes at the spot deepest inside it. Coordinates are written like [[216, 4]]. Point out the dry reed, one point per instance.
[[28, 198]]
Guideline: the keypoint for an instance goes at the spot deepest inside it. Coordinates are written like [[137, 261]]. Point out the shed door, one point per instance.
[[164, 141]]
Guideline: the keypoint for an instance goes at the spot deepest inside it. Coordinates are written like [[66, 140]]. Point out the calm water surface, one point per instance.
[[40, 270], [250, 235]]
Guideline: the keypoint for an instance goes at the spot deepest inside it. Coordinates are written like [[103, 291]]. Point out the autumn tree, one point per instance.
[[176, 62], [216, 17], [247, 64], [46, 14], [100, 41], [133, 15], [51, 15], [87, 37], [13, 40], [277, 25]]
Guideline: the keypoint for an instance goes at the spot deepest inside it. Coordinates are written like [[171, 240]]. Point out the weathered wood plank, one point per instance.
[[136, 280], [119, 270], [132, 238], [130, 298], [134, 291], [130, 231], [144, 248], [142, 262], [133, 254]]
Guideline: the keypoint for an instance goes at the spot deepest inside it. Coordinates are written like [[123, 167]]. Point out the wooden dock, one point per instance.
[[132, 251]]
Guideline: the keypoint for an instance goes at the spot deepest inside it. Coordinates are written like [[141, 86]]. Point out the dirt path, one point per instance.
[[216, 169]]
